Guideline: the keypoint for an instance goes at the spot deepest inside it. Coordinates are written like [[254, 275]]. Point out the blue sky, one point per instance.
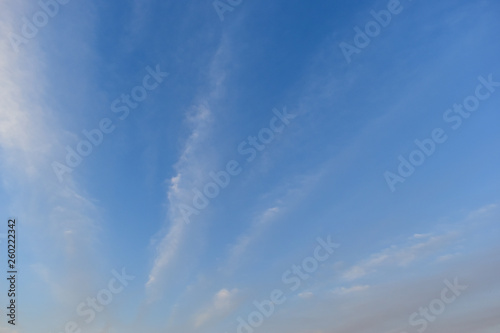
[[321, 175]]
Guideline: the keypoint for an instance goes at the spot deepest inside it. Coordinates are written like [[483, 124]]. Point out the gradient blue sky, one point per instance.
[[323, 175]]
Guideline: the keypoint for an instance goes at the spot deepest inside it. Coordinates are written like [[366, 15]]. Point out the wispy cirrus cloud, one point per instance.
[[400, 255], [61, 220], [256, 229], [191, 169], [423, 245]]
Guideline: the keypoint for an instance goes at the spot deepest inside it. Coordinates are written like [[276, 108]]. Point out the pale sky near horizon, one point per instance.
[[187, 166]]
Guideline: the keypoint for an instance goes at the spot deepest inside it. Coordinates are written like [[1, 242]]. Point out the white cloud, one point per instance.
[[256, 229], [484, 211], [301, 186], [420, 236], [353, 289], [401, 256], [447, 257], [193, 165], [189, 172], [222, 304], [354, 273], [306, 294], [62, 223]]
